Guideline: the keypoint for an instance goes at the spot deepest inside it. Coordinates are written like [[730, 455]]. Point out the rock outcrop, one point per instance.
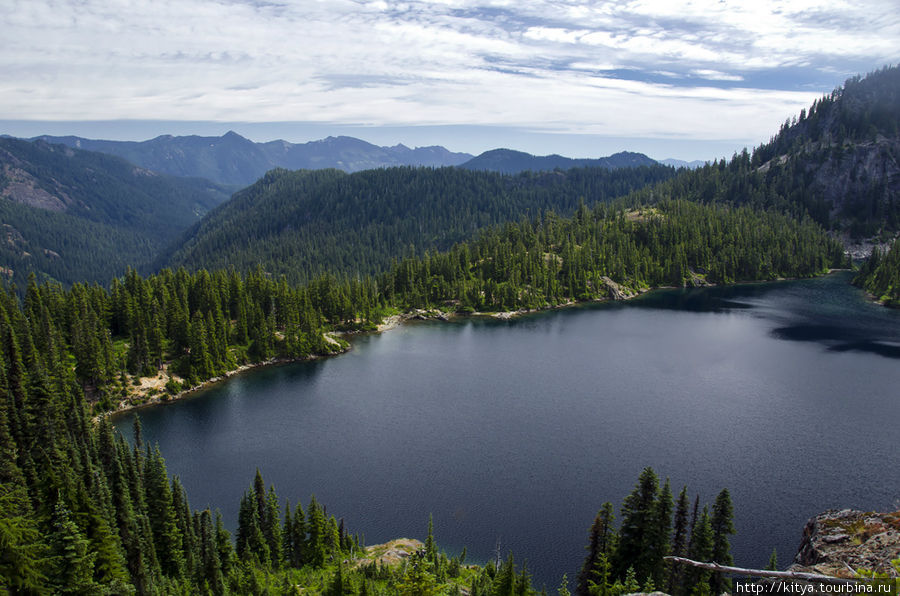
[[838, 543]]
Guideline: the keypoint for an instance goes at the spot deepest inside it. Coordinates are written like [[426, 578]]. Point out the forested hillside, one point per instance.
[[302, 224], [880, 275], [838, 162], [74, 215]]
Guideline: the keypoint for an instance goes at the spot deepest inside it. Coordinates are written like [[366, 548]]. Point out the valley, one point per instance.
[[697, 324]]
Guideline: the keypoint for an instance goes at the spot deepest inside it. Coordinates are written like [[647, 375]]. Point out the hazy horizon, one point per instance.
[[695, 80]]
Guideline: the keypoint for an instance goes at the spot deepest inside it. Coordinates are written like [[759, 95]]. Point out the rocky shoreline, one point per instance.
[[152, 391]]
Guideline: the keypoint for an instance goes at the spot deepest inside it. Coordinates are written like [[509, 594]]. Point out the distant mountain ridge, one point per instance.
[[234, 160], [509, 161], [680, 163]]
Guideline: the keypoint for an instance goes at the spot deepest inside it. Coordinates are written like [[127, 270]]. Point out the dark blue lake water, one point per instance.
[[787, 393]]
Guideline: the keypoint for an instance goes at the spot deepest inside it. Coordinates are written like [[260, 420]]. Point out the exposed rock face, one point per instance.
[[390, 553], [839, 542], [616, 291]]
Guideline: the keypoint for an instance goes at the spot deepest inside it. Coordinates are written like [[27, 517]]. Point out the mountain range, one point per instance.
[[234, 160], [74, 215], [508, 161]]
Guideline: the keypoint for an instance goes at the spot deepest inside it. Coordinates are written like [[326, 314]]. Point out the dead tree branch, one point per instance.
[[799, 575]]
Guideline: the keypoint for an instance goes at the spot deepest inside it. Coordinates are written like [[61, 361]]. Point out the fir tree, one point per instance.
[[635, 535], [601, 541], [722, 525]]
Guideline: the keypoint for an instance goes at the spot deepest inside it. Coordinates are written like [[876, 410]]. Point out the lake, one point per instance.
[[516, 432]]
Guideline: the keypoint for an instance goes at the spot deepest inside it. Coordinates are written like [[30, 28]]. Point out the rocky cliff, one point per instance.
[[838, 543]]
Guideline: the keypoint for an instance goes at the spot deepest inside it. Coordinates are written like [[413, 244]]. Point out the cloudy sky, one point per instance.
[[695, 79]]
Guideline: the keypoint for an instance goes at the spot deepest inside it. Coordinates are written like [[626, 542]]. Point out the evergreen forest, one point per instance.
[[305, 223], [292, 263]]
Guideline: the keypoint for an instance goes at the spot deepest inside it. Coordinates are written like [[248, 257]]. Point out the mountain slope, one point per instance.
[[838, 163], [231, 159], [508, 161], [304, 223], [75, 215]]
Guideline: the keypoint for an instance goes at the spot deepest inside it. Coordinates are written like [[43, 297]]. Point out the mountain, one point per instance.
[[74, 215], [838, 163], [304, 223], [508, 161], [846, 150], [233, 160], [680, 163]]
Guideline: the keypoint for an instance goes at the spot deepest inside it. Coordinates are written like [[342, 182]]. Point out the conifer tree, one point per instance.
[[679, 539], [271, 528], [316, 526], [635, 535], [657, 543], [72, 564], [601, 541], [22, 553], [430, 546], [773, 561], [722, 525], [163, 518], [701, 549]]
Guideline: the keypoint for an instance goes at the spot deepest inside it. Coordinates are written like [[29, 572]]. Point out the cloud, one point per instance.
[[624, 68]]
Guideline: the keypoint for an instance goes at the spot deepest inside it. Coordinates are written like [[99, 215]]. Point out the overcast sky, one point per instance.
[[695, 79]]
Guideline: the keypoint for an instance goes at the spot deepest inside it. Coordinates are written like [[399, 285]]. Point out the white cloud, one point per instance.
[[531, 64]]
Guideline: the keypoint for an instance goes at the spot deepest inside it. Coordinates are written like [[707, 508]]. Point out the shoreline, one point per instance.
[[167, 398], [394, 321]]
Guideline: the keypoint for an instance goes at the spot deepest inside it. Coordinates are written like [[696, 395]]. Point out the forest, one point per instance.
[[879, 275], [83, 508], [305, 223]]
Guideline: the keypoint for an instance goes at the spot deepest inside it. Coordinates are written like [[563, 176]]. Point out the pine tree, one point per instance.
[[722, 525], [773, 561], [209, 570], [563, 589], [316, 551], [271, 528], [163, 518], [601, 541], [638, 511], [701, 549], [598, 582], [21, 550], [657, 543], [72, 564], [679, 539], [430, 546]]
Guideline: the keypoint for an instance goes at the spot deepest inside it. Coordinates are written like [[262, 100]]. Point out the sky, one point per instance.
[[692, 80]]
